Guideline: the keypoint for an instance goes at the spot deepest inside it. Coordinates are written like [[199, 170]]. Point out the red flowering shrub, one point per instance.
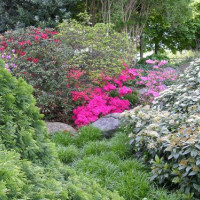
[[39, 58]]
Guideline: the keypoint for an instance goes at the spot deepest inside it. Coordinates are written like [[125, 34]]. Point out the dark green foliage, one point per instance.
[[20, 13]]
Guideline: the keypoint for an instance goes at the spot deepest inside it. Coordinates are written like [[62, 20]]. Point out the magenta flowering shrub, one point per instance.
[[98, 101], [98, 106]]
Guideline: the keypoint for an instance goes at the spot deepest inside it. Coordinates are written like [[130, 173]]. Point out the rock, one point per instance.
[[108, 124], [59, 127], [142, 91]]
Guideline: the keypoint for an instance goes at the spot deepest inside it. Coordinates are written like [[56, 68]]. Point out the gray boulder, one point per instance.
[[108, 124], [59, 127]]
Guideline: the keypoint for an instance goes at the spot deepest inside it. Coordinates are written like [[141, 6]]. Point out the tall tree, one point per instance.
[[169, 26]]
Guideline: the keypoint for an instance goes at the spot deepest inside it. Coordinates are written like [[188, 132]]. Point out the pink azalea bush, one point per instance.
[[97, 101]]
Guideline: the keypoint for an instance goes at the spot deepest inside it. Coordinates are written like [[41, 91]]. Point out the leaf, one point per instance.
[[197, 187], [198, 162], [188, 168], [176, 180], [186, 152], [197, 146], [192, 173], [157, 159], [153, 177]]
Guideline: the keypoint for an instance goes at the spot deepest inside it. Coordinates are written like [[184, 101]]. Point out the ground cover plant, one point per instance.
[[110, 163], [29, 164], [167, 137]]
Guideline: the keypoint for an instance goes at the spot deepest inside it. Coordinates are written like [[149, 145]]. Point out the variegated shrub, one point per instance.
[[167, 135]]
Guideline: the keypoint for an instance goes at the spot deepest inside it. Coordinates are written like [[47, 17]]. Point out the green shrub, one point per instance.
[[128, 177], [21, 127], [95, 148], [86, 134], [82, 188], [119, 145], [96, 48], [67, 154], [62, 138], [169, 142], [29, 165], [11, 176]]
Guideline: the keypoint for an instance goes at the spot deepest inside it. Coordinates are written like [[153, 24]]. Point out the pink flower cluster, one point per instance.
[[98, 106], [154, 81], [96, 102]]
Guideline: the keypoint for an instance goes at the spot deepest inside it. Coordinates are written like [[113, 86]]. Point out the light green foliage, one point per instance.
[[96, 48], [78, 191], [21, 127], [67, 154], [62, 138]]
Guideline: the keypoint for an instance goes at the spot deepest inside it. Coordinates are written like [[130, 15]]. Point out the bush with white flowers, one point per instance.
[[167, 135]]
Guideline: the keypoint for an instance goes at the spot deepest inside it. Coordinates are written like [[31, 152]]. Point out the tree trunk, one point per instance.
[[141, 46], [156, 48]]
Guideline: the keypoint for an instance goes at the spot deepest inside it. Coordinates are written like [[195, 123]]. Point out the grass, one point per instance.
[[110, 163]]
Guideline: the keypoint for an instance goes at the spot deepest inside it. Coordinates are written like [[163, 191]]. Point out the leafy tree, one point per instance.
[[171, 25]]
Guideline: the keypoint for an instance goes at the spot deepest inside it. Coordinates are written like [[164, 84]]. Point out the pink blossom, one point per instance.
[[162, 62], [151, 61], [109, 87], [155, 67], [124, 90]]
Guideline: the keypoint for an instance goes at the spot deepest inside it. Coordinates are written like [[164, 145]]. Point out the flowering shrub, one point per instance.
[[39, 58], [113, 95], [167, 135], [156, 80]]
